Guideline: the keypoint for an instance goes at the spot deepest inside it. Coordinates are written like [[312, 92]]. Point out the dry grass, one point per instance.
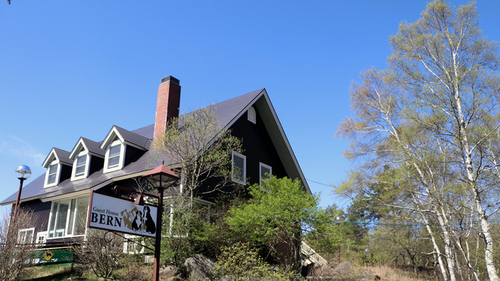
[[387, 273], [48, 270]]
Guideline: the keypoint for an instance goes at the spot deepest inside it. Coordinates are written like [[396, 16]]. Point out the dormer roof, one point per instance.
[[127, 137], [61, 155], [93, 148]]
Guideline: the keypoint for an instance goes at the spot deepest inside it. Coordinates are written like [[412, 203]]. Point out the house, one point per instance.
[[60, 197]]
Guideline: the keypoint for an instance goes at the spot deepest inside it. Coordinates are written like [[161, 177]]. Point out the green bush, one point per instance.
[[239, 262]]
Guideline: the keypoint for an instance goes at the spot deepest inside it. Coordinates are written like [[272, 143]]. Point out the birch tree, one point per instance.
[[433, 117]]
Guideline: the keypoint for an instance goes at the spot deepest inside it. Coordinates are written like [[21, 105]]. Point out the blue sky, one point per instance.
[[76, 68]]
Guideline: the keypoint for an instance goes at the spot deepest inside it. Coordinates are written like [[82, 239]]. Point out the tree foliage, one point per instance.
[[274, 216], [426, 130], [201, 149]]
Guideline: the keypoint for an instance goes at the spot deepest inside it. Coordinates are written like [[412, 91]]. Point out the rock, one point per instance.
[[170, 270], [344, 270], [198, 267], [369, 277], [319, 270]]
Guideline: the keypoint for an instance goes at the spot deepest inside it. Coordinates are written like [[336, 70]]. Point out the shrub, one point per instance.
[[240, 262]]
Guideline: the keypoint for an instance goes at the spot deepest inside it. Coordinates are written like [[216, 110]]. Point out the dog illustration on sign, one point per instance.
[[150, 224], [142, 220]]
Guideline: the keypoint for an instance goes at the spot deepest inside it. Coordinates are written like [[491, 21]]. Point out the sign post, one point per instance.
[[160, 177]]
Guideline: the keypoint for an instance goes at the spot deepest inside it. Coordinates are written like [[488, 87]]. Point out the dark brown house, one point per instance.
[[60, 197]]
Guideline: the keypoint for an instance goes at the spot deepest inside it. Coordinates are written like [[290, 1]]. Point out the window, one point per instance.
[[265, 172], [80, 166], [81, 163], [114, 156], [252, 115], [239, 168], [26, 236], [41, 238], [51, 176], [133, 244], [68, 217]]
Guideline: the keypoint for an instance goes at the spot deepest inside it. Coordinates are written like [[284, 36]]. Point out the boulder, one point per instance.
[[343, 270], [199, 267], [170, 270], [369, 277]]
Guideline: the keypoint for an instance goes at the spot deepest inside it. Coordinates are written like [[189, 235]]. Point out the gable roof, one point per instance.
[[61, 155], [93, 148], [126, 137], [227, 112]]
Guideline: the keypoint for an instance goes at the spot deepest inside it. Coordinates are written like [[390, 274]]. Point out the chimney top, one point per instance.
[[171, 79]]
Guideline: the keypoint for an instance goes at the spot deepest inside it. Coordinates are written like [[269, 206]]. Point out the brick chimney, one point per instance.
[[167, 105]]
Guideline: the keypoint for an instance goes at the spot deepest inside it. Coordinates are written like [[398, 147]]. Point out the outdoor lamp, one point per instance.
[[160, 177], [25, 172]]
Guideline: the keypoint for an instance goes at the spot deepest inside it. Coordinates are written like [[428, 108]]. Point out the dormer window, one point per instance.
[[51, 176], [114, 156], [120, 143], [87, 157], [81, 163], [80, 167], [58, 167]]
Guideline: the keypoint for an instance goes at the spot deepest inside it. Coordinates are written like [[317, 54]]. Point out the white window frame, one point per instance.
[[71, 220], [57, 174], [244, 174], [263, 176], [25, 231], [121, 156], [41, 238], [252, 115], [132, 243], [85, 173]]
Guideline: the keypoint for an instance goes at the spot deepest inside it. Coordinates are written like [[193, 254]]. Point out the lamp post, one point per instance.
[[160, 177], [25, 172]]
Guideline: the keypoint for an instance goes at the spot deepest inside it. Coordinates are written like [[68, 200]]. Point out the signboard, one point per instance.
[[50, 256], [115, 214]]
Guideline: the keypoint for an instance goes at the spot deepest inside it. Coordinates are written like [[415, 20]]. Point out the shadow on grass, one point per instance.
[[62, 275]]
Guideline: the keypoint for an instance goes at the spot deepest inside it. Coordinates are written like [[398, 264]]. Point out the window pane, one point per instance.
[[238, 168], [114, 151], [114, 156], [71, 216], [53, 219], [62, 216], [53, 169], [52, 179], [80, 165], [52, 174], [81, 215], [29, 236], [265, 172]]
